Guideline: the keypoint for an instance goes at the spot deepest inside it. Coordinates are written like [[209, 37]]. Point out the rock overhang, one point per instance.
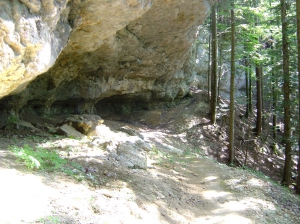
[[98, 50]]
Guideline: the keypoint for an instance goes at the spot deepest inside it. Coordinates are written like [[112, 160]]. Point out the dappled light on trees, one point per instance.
[[266, 57]]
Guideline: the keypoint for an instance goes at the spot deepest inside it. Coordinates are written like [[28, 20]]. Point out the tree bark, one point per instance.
[[208, 70], [286, 95], [213, 102], [247, 85], [298, 41], [274, 106], [258, 127], [250, 89], [219, 74], [231, 125]]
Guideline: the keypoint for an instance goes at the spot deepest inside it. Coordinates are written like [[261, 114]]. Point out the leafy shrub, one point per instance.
[[49, 161], [38, 158]]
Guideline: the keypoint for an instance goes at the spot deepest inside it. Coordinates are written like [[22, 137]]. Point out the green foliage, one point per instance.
[[192, 153], [46, 160], [50, 219], [12, 119], [38, 158], [156, 152], [262, 176]]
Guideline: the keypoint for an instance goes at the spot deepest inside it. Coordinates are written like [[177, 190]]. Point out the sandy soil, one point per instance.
[[184, 182]]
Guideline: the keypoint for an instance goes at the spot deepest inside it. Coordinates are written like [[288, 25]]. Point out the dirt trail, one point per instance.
[[181, 185], [179, 190]]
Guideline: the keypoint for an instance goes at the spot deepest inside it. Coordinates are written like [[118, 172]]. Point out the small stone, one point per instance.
[[111, 174], [105, 192]]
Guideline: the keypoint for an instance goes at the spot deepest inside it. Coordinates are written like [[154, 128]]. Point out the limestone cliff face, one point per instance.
[[84, 52], [32, 35]]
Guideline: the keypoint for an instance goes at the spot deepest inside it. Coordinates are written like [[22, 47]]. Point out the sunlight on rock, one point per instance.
[[182, 137], [155, 134], [23, 197], [107, 134], [193, 122], [212, 194], [44, 56], [255, 182], [258, 204], [211, 178], [233, 182], [234, 206]]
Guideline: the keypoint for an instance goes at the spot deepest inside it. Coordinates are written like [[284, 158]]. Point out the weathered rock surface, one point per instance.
[[85, 123], [70, 131], [32, 35], [130, 151], [91, 53]]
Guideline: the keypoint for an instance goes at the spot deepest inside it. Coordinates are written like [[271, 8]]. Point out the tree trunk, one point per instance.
[[219, 74], [298, 41], [213, 102], [231, 125], [286, 95], [250, 89], [247, 85], [263, 119], [258, 127], [274, 106], [209, 70]]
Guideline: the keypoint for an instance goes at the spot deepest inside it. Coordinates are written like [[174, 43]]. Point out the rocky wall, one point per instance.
[[82, 51]]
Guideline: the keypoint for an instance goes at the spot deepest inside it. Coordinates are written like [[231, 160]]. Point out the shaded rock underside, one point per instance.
[[99, 53]]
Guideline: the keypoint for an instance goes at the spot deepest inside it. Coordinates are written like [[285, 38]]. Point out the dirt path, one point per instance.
[[177, 190]]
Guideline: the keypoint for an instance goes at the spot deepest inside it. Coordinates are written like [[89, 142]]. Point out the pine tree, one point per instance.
[[286, 92], [214, 69], [298, 41], [231, 124], [258, 72]]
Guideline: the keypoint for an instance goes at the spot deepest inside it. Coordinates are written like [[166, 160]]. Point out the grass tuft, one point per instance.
[[46, 160]]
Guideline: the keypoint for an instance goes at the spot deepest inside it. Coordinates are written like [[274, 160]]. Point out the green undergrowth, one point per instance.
[[264, 177], [192, 153], [47, 161], [168, 160]]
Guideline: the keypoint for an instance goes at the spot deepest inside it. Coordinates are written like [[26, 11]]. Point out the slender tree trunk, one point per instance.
[[250, 89], [214, 69], [258, 101], [247, 84], [219, 73], [263, 119], [258, 127], [274, 106], [298, 41], [231, 126], [208, 70], [286, 95]]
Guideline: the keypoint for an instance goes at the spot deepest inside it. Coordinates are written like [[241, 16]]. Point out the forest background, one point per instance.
[[262, 39]]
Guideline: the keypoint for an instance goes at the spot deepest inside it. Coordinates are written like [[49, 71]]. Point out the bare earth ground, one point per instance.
[[182, 184]]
